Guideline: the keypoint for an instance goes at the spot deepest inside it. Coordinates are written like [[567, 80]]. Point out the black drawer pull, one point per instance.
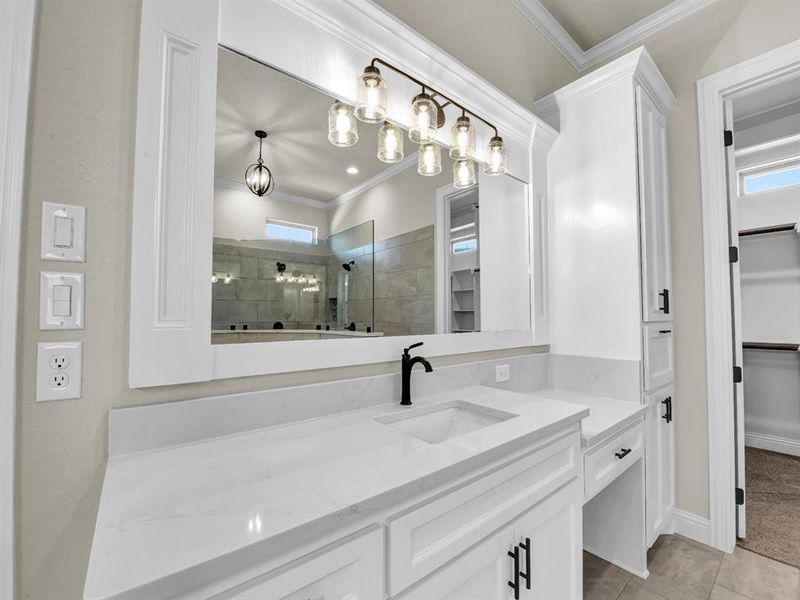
[[526, 545], [623, 454], [667, 402], [664, 331], [514, 585], [665, 305]]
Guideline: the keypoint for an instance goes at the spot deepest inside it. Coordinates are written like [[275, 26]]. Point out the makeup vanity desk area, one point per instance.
[[613, 448]]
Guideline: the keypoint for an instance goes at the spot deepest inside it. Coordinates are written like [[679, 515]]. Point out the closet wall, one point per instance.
[[770, 298]]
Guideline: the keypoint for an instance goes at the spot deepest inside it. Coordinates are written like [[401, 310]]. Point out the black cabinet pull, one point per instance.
[[623, 454], [667, 402], [665, 305], [514, 585], [526, 545]]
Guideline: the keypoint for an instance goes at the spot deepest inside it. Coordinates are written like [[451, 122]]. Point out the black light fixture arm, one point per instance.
[[427, 88]]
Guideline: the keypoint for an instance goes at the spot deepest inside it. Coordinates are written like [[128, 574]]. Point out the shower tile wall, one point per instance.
[[255, 299], [404, 283]]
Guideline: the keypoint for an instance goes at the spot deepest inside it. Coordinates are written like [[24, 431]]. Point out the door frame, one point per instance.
[[711, 94], [16, 50]]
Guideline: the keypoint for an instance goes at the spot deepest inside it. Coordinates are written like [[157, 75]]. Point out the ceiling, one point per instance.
[[304, 163], [590, 22]]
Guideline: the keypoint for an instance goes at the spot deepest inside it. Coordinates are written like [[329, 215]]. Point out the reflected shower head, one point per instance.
[[348, 266]]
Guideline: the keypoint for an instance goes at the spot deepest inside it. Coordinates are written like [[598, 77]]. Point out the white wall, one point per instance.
[[402, 203], [240, 215]]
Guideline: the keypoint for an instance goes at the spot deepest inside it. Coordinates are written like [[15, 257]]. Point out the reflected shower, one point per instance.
[[348, 266]]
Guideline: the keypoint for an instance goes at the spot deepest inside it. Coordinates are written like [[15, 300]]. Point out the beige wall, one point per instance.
[[719, 36]]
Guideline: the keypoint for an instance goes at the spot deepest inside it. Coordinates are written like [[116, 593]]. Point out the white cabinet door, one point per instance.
[[654, 211], [658, 359], [552, 533], [481, 573], [352, 571], [660, 462]]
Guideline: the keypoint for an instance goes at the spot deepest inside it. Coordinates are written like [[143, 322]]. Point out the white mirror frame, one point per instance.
[[323, 43]]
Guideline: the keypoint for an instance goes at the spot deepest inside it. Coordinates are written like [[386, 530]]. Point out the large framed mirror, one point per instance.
[[340, 256]]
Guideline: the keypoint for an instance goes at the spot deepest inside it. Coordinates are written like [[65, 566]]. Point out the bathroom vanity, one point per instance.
[[466, 491]]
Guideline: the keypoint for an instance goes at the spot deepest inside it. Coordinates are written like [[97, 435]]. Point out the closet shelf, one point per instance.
[[770, 229], [770, 346]]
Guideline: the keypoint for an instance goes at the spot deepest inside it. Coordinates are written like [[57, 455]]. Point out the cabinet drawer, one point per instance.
[[353, 569], [658, 358], [607, 462], [425, 537]]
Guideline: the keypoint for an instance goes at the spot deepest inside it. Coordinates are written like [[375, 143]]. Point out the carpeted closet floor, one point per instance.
[[773, 505]]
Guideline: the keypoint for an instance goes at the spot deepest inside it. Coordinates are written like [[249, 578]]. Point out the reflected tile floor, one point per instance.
[[682, 569]]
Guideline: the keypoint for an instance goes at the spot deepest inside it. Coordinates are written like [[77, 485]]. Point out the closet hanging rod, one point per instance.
[[770, 229], [771, 346]]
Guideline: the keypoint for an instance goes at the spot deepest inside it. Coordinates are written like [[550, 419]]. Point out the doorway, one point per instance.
[[722, 101]]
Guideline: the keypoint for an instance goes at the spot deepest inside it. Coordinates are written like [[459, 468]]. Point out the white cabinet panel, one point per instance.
[[654, 210], [658, 359], [352, 571], [660, 462], [610, 460]]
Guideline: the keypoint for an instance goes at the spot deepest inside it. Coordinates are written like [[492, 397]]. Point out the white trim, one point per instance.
[[16, 48], [376, 179], [772, 443], [581, 59], [277, 194], [711, 92], [692, 526], [616, 562]]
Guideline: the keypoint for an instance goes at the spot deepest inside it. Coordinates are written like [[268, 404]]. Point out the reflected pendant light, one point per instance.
[[370, 96], [390, 143], [462, 138], [257, 176], [496, 157], [342, 125], [463, 173], [424, 119], [429, 161]]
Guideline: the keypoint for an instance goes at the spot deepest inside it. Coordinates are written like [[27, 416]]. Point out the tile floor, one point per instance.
[[682, 569]]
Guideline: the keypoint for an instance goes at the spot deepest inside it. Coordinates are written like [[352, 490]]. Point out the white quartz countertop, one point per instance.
[[607, 416], [176, 517]]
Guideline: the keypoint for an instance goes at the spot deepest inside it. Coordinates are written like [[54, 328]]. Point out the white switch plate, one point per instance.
[[502, 373], [63, 232], [58, 371], [61, 308]]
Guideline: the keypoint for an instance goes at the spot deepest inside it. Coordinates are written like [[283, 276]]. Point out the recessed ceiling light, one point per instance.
[[352, 170]]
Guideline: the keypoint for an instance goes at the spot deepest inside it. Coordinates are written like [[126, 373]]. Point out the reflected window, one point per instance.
[[292, 232], [766, 179], [464, 245]]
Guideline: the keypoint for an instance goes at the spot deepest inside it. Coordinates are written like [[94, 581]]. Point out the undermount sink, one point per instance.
[[436, 424]]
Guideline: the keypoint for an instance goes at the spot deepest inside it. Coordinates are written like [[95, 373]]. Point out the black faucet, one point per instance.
[[408, 364]]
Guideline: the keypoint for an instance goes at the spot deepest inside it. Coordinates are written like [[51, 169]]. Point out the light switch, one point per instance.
[[61, 301], [63, 232]]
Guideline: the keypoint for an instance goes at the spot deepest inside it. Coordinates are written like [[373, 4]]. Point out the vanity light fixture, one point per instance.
[[227, 279], [342, 125], [463, 173], [214, 278], [370, 96], [257, 176], [426, 118], [390, 143], [462, 138], [429, 162]]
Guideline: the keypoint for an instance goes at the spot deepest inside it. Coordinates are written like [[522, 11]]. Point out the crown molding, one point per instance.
[[581, 59], [277, 195], [637, 64], [376, 179]]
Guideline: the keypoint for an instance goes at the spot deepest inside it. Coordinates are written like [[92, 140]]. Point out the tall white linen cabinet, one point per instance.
[[610, 268]]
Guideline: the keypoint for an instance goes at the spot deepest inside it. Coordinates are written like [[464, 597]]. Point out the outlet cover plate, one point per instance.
[[63, 232], [58, 371], [61, 300], [502, 373]]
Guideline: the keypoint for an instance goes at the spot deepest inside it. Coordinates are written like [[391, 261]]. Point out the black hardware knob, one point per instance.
[[514, 585], [623, 453], [526, 545], [665, 306], [667, 402]]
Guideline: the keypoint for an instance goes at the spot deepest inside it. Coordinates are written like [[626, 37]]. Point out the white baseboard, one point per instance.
[[692, 526], [772, 443]]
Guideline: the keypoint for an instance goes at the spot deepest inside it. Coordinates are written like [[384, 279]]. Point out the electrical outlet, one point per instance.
[[502, 373], [58, 371]]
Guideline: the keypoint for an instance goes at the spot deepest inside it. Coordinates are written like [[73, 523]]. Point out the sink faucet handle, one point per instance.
[[412, 346]]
